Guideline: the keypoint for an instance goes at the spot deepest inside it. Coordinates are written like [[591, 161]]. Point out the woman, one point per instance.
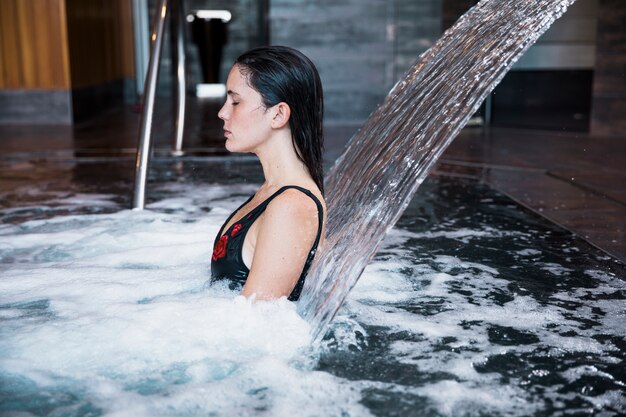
[[274, 109]]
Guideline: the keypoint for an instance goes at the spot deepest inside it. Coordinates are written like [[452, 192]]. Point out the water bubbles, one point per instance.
[[128, 328]]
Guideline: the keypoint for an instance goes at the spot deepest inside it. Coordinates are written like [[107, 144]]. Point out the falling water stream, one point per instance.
[[372, 183]]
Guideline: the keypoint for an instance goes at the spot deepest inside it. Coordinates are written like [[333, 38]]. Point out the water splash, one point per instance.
[[371, 184]]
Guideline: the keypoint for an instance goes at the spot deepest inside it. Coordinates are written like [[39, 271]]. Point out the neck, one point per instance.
[[281, 165]]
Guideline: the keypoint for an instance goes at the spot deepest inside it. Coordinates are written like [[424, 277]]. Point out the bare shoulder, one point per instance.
[[293, 203]]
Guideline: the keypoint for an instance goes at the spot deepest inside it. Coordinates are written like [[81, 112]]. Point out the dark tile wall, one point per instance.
[[348, 42], [417, 28], [609, 86], [359, 46]]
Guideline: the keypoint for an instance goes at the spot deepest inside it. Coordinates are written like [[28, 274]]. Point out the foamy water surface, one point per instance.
[[112, 314]]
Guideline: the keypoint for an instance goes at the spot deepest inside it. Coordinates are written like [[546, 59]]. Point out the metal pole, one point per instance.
[[143, 150], [141, 28], [177, 149]]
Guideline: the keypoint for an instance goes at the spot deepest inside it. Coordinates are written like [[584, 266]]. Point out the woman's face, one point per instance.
[[247, 123]]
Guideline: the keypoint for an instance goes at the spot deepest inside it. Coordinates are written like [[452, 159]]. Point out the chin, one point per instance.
[[233, 148]]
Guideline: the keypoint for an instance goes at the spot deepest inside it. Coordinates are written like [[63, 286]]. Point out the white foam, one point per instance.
[[555, 269], [453, 398], [122, 299], [117, 306], [465, 235], [528, 252]]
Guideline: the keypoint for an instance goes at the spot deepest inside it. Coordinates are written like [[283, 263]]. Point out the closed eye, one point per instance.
[[232, 94]]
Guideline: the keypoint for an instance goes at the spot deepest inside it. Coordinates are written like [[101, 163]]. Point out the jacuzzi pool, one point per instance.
[[474, 307]]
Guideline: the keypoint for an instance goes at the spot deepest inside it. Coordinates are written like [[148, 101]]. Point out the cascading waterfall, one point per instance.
[[374, 180]]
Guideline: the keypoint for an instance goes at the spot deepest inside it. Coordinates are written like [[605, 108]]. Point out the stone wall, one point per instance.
[[361, 47]]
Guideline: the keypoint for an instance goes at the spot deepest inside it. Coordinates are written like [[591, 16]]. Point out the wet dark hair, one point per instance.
[[283, 74]]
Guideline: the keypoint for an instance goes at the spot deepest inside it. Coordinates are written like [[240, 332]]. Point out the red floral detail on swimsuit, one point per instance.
[[219, 251], [236, 228]]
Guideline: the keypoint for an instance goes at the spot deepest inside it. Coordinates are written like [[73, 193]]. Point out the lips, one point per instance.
[[227, 132]]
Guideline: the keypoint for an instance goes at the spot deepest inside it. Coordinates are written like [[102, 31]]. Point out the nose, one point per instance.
[[223, 113]]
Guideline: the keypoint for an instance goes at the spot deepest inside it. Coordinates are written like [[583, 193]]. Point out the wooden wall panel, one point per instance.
[[40, 40], [33, 44], [125, 37], [100, 41]]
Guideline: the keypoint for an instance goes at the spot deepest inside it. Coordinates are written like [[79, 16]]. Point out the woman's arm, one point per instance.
[[287, 230]]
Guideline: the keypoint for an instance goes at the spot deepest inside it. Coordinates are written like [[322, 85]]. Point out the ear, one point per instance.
[[281, 113]]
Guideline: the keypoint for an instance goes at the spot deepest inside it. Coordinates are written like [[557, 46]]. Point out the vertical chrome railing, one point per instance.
[[177, 146], [141, 26], [144, 149]]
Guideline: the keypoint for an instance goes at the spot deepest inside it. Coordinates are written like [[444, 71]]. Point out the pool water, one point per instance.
[[473, 307]]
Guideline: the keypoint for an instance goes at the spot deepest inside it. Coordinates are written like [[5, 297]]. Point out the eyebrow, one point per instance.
[[232, 93]]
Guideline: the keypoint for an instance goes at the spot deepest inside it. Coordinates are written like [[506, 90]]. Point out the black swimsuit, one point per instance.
[[227, 260]]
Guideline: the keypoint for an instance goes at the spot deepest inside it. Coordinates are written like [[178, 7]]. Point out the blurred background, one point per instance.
[[66, 61]]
